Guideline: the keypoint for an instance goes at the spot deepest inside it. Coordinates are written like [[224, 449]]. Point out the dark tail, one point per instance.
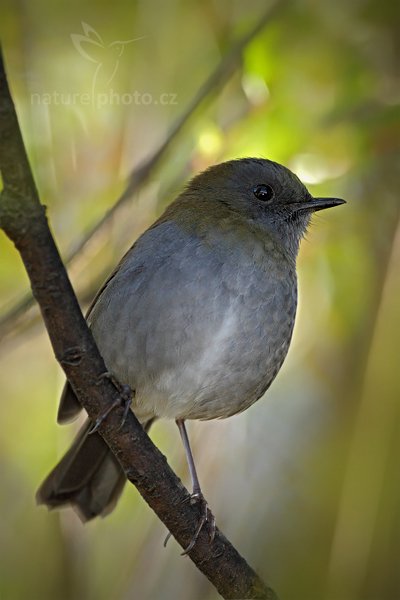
[[88, 477]]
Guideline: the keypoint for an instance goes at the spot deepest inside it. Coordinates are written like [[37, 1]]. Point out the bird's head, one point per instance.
[[264, 193]]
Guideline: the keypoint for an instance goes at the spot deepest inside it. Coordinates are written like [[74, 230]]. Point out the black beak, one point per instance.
[[315, 204]]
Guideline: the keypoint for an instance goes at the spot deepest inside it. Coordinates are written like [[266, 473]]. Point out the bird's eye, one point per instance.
[[263, 192]]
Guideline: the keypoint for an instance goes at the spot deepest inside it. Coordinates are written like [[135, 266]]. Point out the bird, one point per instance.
[[196, 319]]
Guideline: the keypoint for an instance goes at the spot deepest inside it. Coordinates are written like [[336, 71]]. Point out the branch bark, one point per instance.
[[24, 220]]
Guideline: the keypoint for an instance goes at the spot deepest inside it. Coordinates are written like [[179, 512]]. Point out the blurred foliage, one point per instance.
[[306, 483]]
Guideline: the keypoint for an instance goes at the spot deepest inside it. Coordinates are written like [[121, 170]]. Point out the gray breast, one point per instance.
[[197, 334]]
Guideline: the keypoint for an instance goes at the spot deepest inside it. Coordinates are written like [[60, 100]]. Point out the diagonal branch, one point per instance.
[[24, 221], [139, 176]]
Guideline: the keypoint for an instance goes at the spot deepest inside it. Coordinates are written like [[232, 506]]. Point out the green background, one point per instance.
[[306, 483]]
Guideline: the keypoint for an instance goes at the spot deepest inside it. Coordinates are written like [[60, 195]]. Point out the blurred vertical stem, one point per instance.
[[372, 435]]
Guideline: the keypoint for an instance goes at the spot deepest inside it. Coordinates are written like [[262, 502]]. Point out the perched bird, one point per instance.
[[197, 317]]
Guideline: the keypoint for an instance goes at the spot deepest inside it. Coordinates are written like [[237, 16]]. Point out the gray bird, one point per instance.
[[197, 317]]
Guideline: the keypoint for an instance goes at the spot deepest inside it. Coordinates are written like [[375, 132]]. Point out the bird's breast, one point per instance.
[[233, 335], [197, 327]]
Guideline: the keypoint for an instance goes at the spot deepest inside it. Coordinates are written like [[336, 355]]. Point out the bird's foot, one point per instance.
[[124, 399], [206, 517]]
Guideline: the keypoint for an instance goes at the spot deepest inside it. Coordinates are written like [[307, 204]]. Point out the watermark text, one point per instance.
[[101, 99]]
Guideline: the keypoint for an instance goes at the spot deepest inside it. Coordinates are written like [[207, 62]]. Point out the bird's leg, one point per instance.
[[197, 495], [124, 399]]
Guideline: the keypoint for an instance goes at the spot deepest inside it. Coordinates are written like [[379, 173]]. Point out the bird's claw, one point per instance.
[[124, 399], [205, 517]]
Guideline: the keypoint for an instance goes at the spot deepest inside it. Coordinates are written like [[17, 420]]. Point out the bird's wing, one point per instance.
[[70, 406], [149, 249]]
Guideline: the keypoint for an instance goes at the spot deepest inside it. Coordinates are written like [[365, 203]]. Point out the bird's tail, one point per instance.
[[88, 477]]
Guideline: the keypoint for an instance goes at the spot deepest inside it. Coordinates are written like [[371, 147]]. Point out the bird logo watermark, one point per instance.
[[106, 58]]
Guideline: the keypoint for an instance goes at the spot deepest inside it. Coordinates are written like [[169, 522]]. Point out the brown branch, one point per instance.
[[139, 176], [24, 221]]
